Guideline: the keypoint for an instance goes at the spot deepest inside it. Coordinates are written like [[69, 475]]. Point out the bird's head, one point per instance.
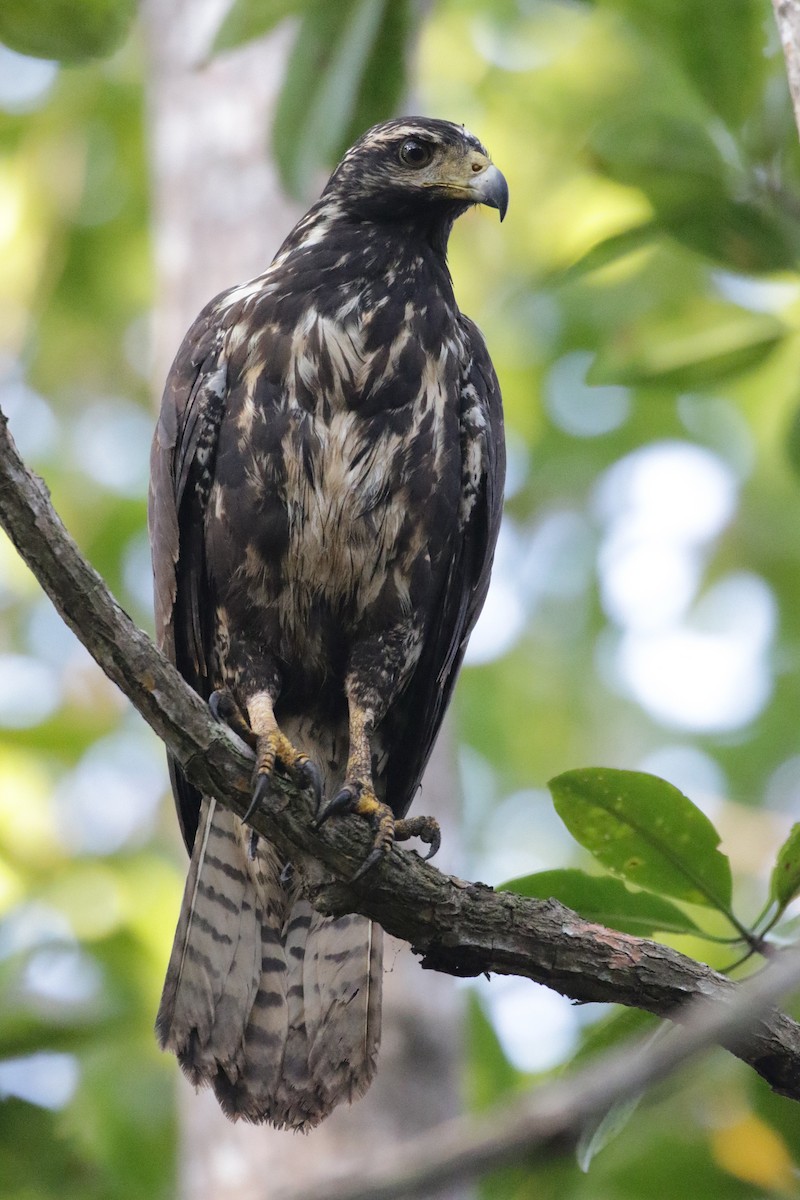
[[416, 169]]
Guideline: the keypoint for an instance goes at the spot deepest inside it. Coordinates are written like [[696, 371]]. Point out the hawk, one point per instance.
[[326, 488]]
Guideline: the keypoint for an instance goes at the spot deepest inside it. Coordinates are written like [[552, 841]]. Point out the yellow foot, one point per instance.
[[274, 749], [358, 796], [425, 828]]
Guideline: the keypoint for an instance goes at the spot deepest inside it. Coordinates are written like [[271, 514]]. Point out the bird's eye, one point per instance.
[[415, 154]]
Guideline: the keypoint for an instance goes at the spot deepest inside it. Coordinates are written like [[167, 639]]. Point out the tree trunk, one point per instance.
[[218, 216]]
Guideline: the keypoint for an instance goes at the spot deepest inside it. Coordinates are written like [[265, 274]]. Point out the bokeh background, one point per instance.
[[642, 306]]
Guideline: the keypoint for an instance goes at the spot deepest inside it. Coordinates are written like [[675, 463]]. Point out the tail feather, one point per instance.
[[343, 972], [215, 931], [272, 1004], [237, 995]]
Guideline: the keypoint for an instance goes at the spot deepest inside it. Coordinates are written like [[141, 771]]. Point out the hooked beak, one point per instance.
[[490, 188]]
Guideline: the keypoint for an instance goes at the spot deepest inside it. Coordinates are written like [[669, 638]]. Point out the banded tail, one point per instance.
[[267, 1001]]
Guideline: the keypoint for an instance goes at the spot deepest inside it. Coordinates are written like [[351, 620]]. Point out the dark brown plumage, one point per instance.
[[326, 491]]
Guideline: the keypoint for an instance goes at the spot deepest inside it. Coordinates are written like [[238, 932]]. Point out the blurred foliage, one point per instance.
[[84, 936], [642, 305], [346, 71], [250, 19], [68, 30]]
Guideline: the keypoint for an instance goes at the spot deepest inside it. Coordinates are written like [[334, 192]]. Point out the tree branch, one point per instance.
[[546, 1122], [457, 927]]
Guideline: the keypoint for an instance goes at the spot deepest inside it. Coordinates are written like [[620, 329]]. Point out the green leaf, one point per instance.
[[322, 80], [793, 442], [695, 194], [606, 900], [610, 250], [784, 883], [250, 19], [599, 1131], [69, 31], [621, 1024], [604, 1127], [646, 830], [383, 82], [672, 159], [346, 72], [740, 235], [709, 41], [686, 358]]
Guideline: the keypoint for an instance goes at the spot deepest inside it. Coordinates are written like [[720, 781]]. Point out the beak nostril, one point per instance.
[[490, 189]]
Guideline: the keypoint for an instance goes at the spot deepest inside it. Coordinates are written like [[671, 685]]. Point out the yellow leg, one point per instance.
[[274, 748], [357, 795]]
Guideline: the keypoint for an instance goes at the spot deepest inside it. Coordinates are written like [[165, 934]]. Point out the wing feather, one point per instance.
[[421, 710], [191, 409]]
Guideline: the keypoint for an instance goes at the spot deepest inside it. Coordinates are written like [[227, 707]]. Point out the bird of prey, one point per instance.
[[326, 487]]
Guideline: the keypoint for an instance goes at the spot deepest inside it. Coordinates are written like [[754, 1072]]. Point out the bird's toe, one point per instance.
[[225, 710], [422, 827]]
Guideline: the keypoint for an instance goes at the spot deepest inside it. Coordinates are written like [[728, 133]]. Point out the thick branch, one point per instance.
[[457, 927], [546, 1122]]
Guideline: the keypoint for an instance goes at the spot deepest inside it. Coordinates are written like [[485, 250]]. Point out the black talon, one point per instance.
[[358, 797], [260, 793], [308, 776], [369, 862], [432, 836], [435, 845], [225, 710], [342, 802]]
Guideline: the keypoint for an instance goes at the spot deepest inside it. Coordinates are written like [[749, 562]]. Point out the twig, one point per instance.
[[550, 1120], [457, 927]]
